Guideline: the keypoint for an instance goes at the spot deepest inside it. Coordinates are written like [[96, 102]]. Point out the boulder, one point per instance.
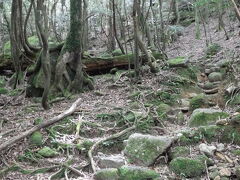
[[179, 151], [199, 101], [114, 161], [203, 117], [177, 62], [145, 149], [187, 167], [107, 174], [136, 173], [215, 76]]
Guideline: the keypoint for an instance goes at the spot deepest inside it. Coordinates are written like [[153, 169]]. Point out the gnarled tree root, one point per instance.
[[40, 126]]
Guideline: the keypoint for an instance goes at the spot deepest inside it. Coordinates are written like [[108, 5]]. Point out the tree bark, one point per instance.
[[69, 70]]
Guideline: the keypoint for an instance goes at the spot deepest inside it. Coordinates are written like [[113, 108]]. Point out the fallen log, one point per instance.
[[95, 64], [45, 124]]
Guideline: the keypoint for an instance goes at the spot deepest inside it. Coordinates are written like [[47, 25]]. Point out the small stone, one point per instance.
[[207, 150], [114, 161], [225, 172], [220, 147], [217, 178], [208, 71]]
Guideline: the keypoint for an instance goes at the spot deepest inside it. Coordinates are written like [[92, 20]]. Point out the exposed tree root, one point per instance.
[[114, 136], [40, 126]]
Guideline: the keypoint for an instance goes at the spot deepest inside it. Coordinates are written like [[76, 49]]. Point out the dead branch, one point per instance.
[[40, 126]]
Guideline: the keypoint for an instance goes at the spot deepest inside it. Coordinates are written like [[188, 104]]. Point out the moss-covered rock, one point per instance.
[[203, 117], [209, 85], [117, 52], [236, 152], [213, 49], [199, 101], [187, 167], [162, 110], [38, 121], [204, 158], [107, 174], [36, 138], [177, 62], [144, 149], [136, 173], [215, 76], [211, 133], [179, 151], [85, 145], [189, 72], [3, 91], [47, 152]]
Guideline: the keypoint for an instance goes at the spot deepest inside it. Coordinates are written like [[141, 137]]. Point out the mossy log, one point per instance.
[[94, 65]]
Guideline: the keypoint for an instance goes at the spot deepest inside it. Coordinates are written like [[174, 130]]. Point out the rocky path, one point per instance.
[[181, 130]]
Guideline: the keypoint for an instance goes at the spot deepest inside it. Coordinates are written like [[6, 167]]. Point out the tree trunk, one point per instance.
[[15, 38], [69, 70]]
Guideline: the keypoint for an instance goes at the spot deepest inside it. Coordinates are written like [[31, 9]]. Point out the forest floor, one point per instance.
[[105, 111]]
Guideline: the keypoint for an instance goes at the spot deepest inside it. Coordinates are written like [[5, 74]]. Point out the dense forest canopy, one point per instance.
[[120, 89]]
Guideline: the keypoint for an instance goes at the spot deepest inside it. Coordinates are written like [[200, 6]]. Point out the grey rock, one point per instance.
[[207, 150], [114, 161], [145, 149]]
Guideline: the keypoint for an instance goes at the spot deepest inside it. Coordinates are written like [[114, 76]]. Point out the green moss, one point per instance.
[[3, 91], [107, 174], [204, 158], [230, 135], [136, 173], [213, 49], [179, 151], [203, 117], [236, 152], [117, 52], [209, 133], [47, 152], [165, 97], [215, 76], [36, 138], [179, 61], [187, 167], [38, 121], [7, 46], [198, 101], [162, 110], [85, 145], [144, 149], [189, 72], [212, 133]]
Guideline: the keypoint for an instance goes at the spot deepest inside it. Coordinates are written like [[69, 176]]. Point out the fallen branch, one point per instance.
[[40, 126], [114, 136]]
